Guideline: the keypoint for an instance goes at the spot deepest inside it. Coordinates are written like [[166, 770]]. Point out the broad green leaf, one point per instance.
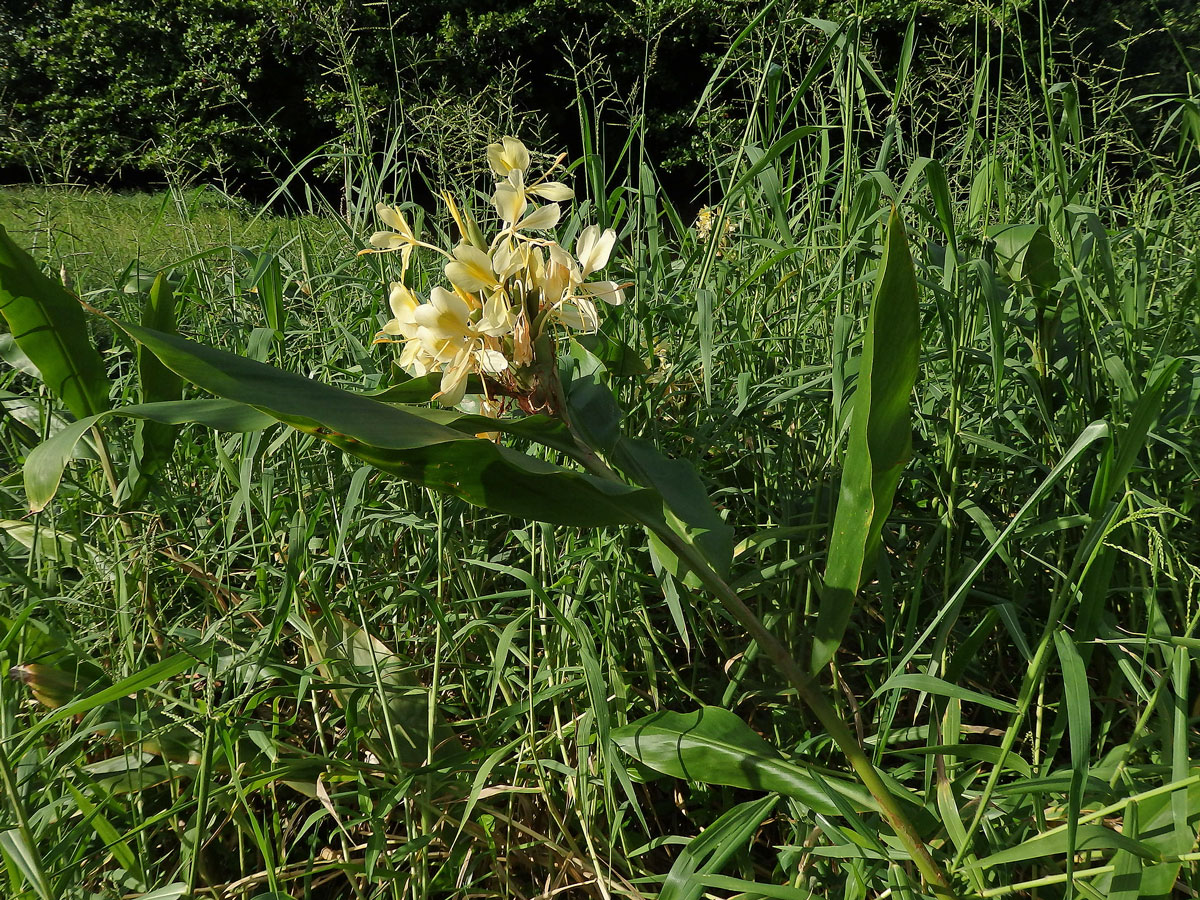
[[420, 389], [406, 443], [619, 358], [59, 547], [50, 328], [708, 852], [12, 354], [880, 438], [714, 746], [45, 463], [1025, 254], [153, 441], [596, 416]]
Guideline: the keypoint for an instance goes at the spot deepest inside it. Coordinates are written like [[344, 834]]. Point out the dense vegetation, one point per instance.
[[288, 674], [238, 92]]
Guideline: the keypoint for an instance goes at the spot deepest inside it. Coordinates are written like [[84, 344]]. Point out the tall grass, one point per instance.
[[1021, 661]]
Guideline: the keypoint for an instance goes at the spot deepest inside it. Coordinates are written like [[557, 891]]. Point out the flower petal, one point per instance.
[[579, 313], [497, 318], [545, 217], [491, 361], [608, 291], [510, 203], [394, 219], [516, 154], [594, 248], [508, 155], [403, 303], [471, 269], [454, 381], [551, 190], [388, 240]]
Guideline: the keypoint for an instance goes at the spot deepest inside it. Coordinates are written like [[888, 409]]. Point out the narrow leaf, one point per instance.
[[708, 852], [153, 441]]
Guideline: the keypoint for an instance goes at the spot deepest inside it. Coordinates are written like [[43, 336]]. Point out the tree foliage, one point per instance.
[[239, 90]]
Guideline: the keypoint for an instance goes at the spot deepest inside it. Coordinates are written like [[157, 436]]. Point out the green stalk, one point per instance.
[[809, 691], [814, 698]]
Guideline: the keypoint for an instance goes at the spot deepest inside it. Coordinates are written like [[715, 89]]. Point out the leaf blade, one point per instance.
[[50, 328], [880, 438]]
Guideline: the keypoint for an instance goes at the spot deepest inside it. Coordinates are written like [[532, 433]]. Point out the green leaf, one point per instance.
[[1078, 700], [153, 441], [714, 746], [747, 889], [59, 547], [27, 861], [619, 358], [397, 706], [420, 389], [1087, 837], [930, 685], [773, 152], [1025, 254], [409, 444], [1155, 823], [688, 509], [708, 852], [50, 328], [45, 464], [106, 693], [880, 438]]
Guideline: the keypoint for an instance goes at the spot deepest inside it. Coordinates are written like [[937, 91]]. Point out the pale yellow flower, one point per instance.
[[540, 219], [403, 328], [501, 294], [402, 238], [507, 155], [471, 269], [450, 339], [593, 248], [509, 199], [555, 191]]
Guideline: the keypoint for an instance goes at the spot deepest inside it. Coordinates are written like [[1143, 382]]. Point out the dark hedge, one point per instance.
[[132, 92]]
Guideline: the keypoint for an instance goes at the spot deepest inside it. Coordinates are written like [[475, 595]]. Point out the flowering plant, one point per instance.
[[496, 320], [504, 295]]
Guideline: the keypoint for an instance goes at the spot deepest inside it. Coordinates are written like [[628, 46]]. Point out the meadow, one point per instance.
[[263, 664]]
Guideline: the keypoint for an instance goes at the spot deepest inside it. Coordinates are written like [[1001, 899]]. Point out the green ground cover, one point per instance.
[[294, 675]]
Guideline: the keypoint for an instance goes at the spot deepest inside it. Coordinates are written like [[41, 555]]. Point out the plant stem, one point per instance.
[[814, 698], [806, 687]]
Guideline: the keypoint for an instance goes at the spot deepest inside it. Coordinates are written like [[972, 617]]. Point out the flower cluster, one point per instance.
[[707, 219], [503, 294]]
